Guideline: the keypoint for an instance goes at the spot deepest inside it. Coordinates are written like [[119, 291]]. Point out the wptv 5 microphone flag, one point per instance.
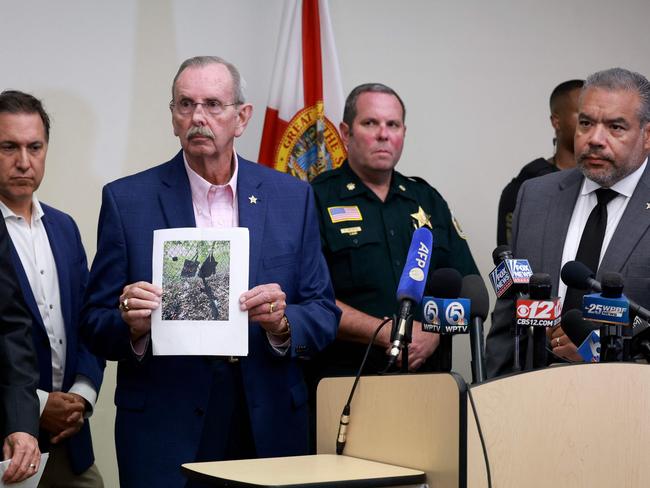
[[300, 135]]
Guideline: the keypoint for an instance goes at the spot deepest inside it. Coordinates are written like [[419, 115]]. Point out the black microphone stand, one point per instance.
[[611, 343], [445, 346], [516, 362], [539, 288], [477, 346], [613, 346]]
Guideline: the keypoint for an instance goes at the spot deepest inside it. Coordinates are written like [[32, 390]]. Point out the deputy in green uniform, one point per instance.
[[368, 213]]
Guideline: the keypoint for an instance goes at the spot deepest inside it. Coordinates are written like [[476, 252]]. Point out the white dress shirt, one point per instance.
[[587, 200], [33, 247], [214, 205]]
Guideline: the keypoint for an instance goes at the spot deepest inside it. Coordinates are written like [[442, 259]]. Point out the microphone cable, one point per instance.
[[480, 436], [341, 437]]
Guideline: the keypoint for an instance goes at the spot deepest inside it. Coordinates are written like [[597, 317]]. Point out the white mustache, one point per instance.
[[199, 130]]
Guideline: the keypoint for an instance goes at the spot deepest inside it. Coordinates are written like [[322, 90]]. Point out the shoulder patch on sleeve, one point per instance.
[[459, 229]]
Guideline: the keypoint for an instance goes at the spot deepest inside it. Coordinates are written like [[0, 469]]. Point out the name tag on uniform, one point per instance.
[[344, 214], [353, 231]]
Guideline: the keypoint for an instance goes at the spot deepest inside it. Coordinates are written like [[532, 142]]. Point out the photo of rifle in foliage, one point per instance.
[[196, 280]]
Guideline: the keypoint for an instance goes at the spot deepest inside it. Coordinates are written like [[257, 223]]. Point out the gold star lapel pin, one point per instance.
[[421, 218], [350, 186], [647, 205], [252, 199]]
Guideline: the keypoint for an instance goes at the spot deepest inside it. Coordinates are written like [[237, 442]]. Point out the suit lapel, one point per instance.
[[28, 295], [176, 196], [252, 203], [559, 216], [631, 227], [63, 272]]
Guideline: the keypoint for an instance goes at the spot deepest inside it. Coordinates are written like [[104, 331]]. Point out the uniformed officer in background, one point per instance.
[[368, 213]]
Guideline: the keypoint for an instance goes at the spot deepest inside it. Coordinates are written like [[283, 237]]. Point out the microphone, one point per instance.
[[501, 253], [474, 289], [510, 275], [586, 334], [611, 309], [539, 313], [410, 290], [577, 275], [540, 310], [444, 313], [509, 278], [582, 332], [446, 283]]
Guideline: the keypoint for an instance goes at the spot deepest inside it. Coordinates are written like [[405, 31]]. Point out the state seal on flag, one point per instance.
[[309, 145]]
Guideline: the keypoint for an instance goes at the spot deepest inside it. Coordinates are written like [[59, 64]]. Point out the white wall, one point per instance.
[[475, 76]]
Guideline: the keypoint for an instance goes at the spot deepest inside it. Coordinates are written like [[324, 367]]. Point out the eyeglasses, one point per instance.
[[186, 106]]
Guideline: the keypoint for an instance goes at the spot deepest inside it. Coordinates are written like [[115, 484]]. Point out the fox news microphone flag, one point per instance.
[[300, 135]]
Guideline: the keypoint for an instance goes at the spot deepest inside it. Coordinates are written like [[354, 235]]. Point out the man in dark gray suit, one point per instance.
[[612, 142], [18, 373]]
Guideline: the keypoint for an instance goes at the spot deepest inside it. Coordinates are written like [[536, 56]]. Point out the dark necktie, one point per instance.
[[591, 243]]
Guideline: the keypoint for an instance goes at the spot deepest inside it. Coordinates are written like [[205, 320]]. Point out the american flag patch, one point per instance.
[[344, 214]]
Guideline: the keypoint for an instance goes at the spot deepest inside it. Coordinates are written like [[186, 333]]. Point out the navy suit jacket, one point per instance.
[[72, 271], [18, 369], [161, 399]]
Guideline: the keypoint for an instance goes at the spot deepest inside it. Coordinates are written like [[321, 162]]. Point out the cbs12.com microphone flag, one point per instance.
[[300, 135]]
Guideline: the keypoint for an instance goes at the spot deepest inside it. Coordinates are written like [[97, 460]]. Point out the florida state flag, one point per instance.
[[300, 134]]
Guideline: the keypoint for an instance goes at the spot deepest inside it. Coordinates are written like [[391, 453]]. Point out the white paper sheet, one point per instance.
[[203, 272], [31, 482]]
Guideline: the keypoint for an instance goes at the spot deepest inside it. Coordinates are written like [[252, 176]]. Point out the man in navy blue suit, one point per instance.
[[51, 266], [177, 409]]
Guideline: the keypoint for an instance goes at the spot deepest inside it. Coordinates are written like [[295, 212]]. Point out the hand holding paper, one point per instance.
[[22, 451], [266, 305], [31, 481], [137, 302]]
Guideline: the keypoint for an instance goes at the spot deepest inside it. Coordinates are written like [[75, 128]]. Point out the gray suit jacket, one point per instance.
[[540, 225], [18, 368]]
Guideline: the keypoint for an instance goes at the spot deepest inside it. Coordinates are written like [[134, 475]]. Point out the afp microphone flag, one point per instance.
[[300, 135]]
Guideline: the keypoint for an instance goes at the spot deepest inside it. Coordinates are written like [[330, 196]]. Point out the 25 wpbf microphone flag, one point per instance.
[[300, 135]]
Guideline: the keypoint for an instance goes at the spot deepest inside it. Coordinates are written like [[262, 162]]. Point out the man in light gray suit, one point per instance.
[[612, 142]]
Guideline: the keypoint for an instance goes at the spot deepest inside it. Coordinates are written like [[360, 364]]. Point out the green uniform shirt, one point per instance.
[[365, 242]]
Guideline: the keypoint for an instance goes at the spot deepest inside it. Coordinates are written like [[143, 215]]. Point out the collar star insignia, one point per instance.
[[647, 205], [252, 199], [421, 218], [350, 186]]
